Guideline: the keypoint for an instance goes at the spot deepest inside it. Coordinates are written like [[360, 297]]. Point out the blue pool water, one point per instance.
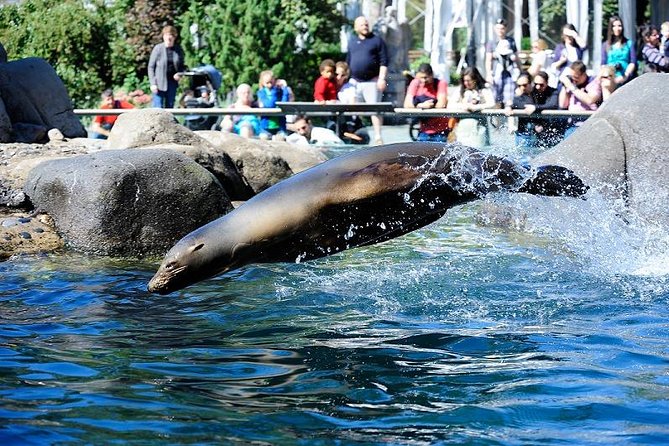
[[551, 327]]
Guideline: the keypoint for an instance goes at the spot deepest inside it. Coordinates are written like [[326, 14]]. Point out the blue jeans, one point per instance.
[[96, 135], [434, 137], [165, 99]]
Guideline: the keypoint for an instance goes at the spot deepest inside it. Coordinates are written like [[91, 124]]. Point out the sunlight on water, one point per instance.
[[512, 320]]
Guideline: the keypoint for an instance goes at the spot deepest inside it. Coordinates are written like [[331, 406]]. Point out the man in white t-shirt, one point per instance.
[[306, 133]]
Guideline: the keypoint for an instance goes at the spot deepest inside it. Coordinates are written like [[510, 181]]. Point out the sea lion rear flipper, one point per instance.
[[554, 181]]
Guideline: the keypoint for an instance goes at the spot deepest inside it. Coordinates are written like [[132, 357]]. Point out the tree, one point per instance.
[[70, 40], [144, 21], [243, 38], [96, 44], [553, 13]]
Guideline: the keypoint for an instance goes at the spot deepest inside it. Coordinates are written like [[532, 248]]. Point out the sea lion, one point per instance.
[[357, 199]]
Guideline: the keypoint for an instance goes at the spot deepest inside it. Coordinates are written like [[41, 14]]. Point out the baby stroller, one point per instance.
[[204, 83]]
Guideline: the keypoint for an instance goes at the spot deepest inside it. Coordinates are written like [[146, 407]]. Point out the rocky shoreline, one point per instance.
[[135, 194]]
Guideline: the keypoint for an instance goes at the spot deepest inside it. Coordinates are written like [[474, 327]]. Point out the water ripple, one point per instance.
[[456, 334]]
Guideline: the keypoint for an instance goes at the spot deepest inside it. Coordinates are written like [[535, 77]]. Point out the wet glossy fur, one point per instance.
[[358, 199]]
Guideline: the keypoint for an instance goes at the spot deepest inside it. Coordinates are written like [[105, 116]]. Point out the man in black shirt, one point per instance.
[[534, 131], [368, 60]]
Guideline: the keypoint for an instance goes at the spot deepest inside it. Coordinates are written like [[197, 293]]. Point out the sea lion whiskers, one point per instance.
[[171, 270]]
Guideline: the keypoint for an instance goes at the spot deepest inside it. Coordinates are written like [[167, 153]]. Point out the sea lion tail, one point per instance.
[[554, 181]]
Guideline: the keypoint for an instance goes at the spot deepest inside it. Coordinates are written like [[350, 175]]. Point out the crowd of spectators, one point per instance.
[[553, 79], [557, 79]]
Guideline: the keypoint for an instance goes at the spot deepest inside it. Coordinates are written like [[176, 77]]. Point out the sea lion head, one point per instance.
[[194, 258]]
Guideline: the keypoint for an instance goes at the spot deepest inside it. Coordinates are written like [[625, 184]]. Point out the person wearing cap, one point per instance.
[[165, 67], [568, 51], [102, 124], [501, 62]]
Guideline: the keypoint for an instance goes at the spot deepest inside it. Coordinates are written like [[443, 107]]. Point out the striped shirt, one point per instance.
[[654, 56]]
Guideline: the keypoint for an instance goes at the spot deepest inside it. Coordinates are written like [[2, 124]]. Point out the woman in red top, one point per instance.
[[425, 91], [325, 88]]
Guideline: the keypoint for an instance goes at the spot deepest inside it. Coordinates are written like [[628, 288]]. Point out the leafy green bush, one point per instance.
[[71, 39], [97, 44], [241, 39]]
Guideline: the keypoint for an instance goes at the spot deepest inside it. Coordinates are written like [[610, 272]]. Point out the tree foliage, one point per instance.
[[96, 44], [144, 21], [70, 39], [241, 39], [553, 15]]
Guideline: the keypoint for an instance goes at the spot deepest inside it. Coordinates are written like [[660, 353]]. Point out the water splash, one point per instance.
[[607, 238], [467, 171]]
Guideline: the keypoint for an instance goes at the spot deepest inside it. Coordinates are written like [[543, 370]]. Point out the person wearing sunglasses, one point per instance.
[[525, 136], [549, 131], [534, 95]]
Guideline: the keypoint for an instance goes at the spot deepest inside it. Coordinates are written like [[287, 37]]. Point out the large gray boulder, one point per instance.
[[219, 164], [157, 128], [298, 157], [264, 163], [623, 149], [5, 124], [18, 159], [36, 100], [149, 127], [126, 202], [261, 168]]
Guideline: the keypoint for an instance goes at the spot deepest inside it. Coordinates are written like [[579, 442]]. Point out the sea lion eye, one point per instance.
[[197, 247]]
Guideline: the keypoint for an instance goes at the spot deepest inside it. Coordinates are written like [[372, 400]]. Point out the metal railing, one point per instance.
[[313, 109]]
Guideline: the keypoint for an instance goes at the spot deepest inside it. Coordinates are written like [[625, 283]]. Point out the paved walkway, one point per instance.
[[394, 133]]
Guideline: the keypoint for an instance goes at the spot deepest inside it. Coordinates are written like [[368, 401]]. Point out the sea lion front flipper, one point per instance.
[[375, 180]]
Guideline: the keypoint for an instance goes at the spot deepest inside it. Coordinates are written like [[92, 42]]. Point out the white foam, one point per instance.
[[606, 237]]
